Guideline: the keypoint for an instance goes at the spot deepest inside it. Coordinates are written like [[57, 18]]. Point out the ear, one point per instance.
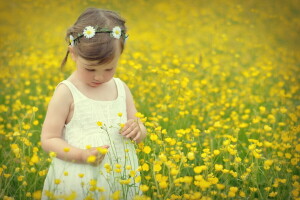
[[73, 53]]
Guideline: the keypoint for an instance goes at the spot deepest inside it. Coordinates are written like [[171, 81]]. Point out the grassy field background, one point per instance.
[[217, 83]]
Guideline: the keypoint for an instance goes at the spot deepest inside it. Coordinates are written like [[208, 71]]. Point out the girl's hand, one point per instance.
[[93, 156], [132, 130]]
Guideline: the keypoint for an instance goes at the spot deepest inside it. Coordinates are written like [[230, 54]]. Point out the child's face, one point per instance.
[[94, 74]]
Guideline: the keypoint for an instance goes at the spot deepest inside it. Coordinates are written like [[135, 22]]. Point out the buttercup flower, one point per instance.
[[89, 32], [91, 159], [71, 40], [99, 123], [116, 32]]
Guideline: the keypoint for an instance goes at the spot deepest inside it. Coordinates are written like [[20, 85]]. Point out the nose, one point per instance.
[[98, 77]]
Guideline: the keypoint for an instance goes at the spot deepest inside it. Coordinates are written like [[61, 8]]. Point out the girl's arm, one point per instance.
[[51, 138], [134, 128]]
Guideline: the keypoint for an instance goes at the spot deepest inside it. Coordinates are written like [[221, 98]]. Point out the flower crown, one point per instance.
[[90, 31]]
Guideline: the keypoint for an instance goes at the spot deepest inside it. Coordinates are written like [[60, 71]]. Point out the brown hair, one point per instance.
[[101, 47]]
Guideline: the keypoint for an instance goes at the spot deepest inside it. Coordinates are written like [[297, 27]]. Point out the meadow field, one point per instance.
[[217, 84]]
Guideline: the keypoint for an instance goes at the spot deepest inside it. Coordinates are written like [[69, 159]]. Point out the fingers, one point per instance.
[[137, 136], [129, 126], [131, 130], [132, 134], [99, 159]]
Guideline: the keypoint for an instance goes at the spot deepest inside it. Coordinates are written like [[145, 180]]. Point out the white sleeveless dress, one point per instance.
[[120, 163]]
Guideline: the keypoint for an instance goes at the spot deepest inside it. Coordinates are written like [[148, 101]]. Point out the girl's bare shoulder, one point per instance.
[[62, 96]]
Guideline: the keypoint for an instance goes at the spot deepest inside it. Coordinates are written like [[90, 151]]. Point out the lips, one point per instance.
[[96, 83]]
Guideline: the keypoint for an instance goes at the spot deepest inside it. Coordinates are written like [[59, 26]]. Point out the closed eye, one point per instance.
[[109, 69], [90, 70]]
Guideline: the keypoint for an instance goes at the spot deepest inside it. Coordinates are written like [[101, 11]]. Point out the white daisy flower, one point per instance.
[[89, 32], [116, 32], [71, 40]]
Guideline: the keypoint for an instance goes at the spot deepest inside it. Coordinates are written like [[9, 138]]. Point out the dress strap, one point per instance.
[[74, 91], [120, 86]]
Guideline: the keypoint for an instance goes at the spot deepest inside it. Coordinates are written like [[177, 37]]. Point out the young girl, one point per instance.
[[90, 124]]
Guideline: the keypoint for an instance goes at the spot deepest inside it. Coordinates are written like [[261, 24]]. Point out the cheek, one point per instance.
[[110, 74], [86, 75]]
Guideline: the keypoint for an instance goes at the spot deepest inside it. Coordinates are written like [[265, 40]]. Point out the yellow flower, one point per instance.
[[20, 178], [231, 194], [267, 164], [187, 179], [242, 194], [120, 114], [174, 172], [139, 115], [128, 167], [267, 189], [91, 159], [153, 137], [66, 149], [147, 149], [34, 159], [273, 194], [233, 189], [237, 159], [216, 152], [37, 194], [218, 167], [81, 175], [106, 165], [267, 128], [72, 196], [118, 165], [137, 179], [144, 188], [43, 172], [99, 123], [52, 154], [163, 157], [145, 167], [103, 151], [220, 186], [295, 192], [57, 181], [191, 155], [163, 184], [213, 180], [125, 182], [198, 169], [294, 161], [157, 167], [262, 109], [35, 109], [132, 173], [298, 147], [288, 155], [116, 195]]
